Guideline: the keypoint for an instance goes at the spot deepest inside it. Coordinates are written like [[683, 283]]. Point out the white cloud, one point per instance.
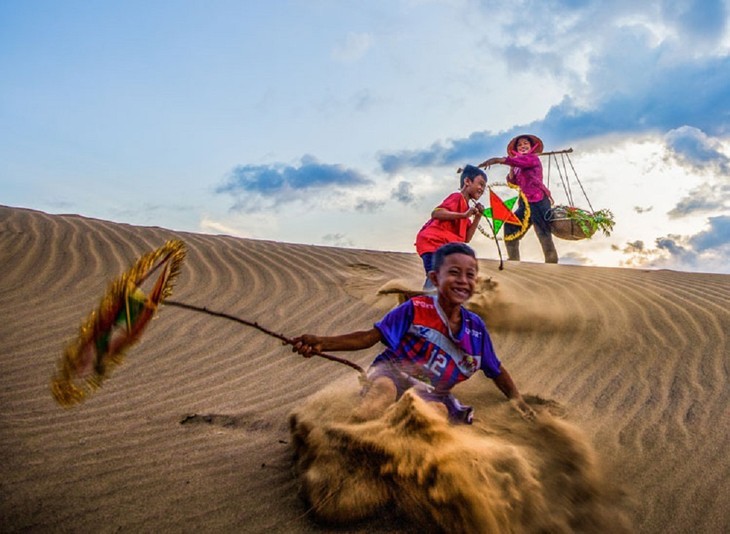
[[353, 47]]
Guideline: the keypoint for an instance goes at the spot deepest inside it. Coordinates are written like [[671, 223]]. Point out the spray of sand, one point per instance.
[[503, 474]]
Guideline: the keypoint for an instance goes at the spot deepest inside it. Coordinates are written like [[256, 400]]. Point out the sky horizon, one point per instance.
[[342, 124]]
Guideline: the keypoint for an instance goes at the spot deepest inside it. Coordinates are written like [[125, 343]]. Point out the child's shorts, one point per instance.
[[458, 413]]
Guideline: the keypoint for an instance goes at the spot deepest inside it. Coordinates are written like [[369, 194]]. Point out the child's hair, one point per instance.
[[448, 249], [470, 172]]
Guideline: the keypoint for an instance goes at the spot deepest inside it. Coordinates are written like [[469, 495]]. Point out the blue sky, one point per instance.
[[342, 123]]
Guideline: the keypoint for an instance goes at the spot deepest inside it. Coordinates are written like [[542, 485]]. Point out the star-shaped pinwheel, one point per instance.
[[500, 211]]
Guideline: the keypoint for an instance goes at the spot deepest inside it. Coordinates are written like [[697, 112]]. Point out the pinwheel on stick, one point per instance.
[[122, 316]]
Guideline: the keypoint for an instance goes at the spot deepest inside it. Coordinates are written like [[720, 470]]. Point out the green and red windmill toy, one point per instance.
[[501, 212], [566, 220]]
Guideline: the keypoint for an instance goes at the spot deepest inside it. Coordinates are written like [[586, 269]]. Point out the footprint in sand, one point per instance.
[[362, 282], [226, 421], [364, 270], [550, 406]]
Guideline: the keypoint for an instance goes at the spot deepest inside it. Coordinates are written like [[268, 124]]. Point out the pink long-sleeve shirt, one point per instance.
[[528, 175]]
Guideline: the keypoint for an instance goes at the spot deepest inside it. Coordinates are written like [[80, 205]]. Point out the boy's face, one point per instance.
[[456, 278], [475, 187]]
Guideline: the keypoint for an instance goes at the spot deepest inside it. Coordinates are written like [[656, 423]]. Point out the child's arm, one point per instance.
[[507, 386], [479, 210], [307, 344], [446, 215]]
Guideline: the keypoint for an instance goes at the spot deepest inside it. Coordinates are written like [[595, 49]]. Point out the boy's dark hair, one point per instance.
[[470, 172], [448, 249]]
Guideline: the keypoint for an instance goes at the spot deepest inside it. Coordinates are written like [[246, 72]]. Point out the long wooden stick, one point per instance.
[[496, 241], [281, 337]]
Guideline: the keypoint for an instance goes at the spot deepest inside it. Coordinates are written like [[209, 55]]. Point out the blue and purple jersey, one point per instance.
[[421, 344]]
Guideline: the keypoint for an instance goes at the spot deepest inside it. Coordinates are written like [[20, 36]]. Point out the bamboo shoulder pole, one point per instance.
[[565, 151]]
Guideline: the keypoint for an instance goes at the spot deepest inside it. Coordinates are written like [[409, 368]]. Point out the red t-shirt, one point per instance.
[[436, 232]]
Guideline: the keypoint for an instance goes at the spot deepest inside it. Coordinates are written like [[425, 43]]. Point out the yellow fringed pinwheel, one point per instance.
[[120, 319], [117, 323]]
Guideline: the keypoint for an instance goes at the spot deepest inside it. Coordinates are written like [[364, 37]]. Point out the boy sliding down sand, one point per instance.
[[432, 343]]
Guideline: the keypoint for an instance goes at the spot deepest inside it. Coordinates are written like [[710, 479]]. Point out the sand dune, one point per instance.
[[192, 432]]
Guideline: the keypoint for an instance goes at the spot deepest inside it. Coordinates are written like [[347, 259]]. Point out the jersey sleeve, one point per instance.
[[395, 324], [490, 363]]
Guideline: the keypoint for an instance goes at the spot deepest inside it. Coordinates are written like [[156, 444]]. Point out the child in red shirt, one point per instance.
[[450, 221]]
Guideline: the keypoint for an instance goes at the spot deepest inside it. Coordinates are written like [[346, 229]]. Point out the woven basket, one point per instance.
[[564, 228]]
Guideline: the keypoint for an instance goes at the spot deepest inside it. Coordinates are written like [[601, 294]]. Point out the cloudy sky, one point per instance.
[[342, 123]]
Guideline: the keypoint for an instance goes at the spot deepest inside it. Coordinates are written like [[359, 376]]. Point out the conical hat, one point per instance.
[[537, 145]]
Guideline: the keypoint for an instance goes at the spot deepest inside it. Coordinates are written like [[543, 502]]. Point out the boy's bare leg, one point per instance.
[[382, 393]]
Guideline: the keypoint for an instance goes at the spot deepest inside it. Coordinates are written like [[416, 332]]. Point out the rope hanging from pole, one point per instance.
[[571, 222], [496, 241], [580, 184], [564, 175]]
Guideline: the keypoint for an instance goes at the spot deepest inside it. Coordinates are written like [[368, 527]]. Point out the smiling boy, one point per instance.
[[432, 343], [451, 220]]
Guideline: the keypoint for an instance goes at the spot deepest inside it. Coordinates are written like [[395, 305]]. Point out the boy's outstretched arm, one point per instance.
[[308, 344], [507, 386]]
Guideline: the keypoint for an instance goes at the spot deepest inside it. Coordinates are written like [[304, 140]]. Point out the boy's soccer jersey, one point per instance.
[[419, 343]]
